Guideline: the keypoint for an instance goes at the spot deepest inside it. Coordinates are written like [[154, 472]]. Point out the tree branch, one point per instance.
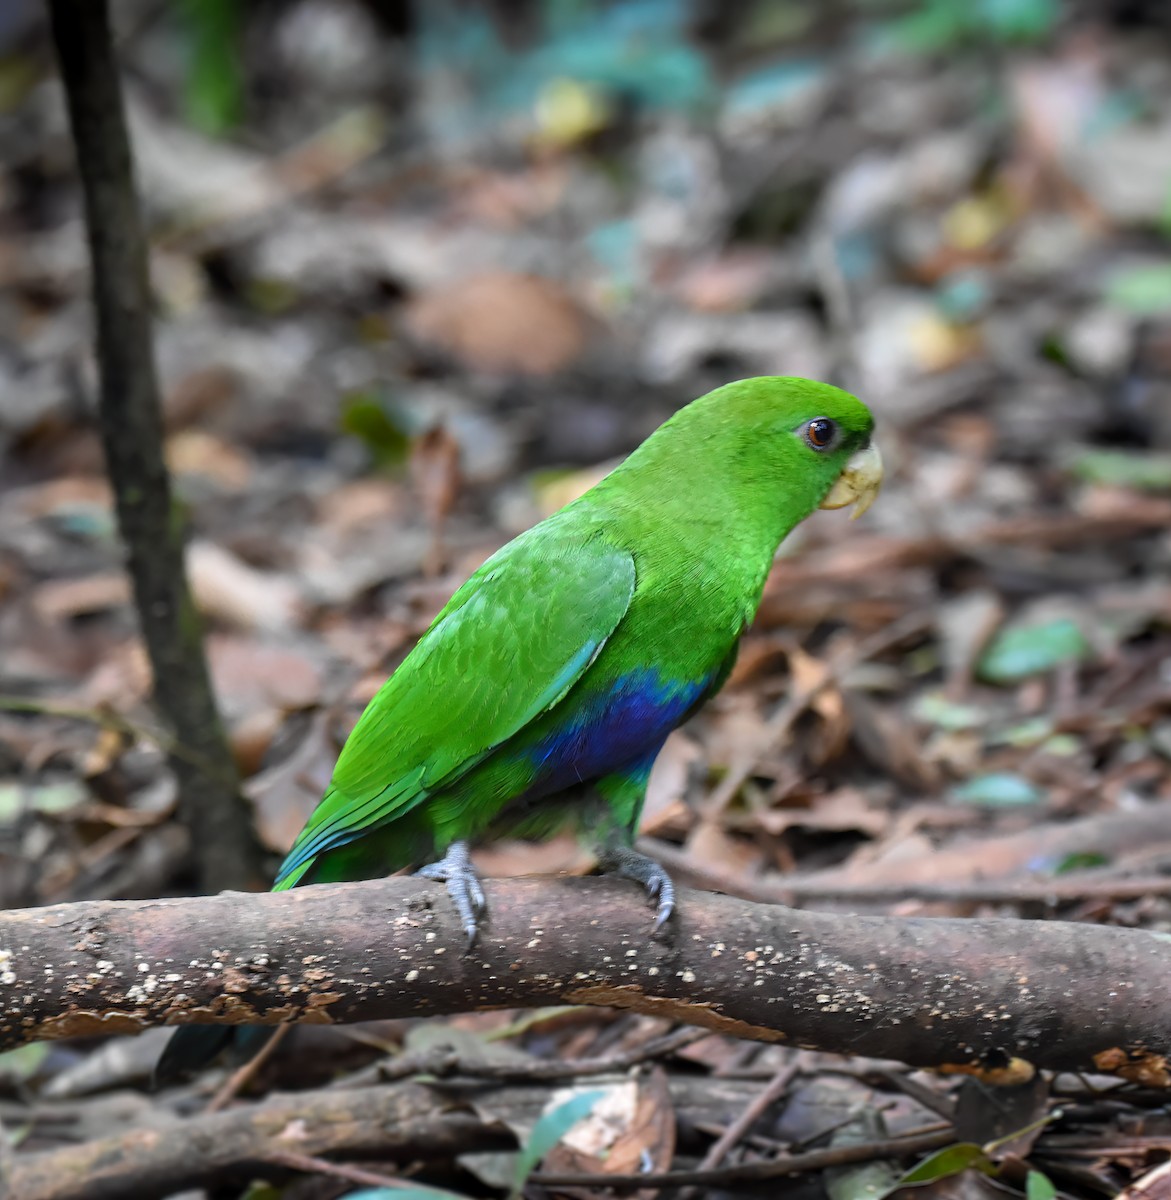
[[929, 992], [406, 1122], [132, 435]]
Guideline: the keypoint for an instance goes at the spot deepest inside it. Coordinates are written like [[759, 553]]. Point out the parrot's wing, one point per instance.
[[507, 647]]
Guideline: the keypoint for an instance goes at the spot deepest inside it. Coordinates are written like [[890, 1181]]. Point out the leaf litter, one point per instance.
[[384, 354]]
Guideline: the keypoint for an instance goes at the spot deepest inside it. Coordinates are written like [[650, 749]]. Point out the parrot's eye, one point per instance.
[[821, 433]]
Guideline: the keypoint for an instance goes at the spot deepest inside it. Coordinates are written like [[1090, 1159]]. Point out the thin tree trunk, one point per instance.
[[225, 848]]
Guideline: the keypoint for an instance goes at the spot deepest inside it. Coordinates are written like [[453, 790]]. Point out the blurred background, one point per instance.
[[424, 271]]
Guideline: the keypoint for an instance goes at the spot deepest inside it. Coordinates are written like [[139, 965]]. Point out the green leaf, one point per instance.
[[1144, 291], [213, 91], [1023, 734], [937, 25], [936, 709], [1038, 1187], [23, 1062], [1023, 651], [50, 797], [261, 1191], [1147, 471], [1082, 860], [949, 1161], [368, 418], [999, 789], [1018, 20], [549, 1130], [1061, 745], [865, 1182]]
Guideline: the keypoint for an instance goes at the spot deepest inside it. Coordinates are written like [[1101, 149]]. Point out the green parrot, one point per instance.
[[543, 691]]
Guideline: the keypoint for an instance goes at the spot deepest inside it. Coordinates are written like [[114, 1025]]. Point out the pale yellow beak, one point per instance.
[[858, 484]]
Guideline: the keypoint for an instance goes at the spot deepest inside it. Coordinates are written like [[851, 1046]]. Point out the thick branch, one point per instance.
[[132, 434], [928, 992], [405, 1122]]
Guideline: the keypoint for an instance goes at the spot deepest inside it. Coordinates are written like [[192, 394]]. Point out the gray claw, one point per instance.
[[629, 864], [463, 886]]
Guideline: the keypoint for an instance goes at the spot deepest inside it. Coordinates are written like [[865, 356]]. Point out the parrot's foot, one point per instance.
[[463, 886], [621, 860]]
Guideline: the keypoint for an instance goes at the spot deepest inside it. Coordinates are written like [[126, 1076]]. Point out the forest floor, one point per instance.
[[407, 307]]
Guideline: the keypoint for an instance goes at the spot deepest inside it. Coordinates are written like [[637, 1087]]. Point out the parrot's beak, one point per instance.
[[858, 484]]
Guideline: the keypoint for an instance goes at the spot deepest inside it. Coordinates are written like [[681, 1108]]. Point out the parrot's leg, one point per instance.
[[455, 870], [624, 793], [629, 864]]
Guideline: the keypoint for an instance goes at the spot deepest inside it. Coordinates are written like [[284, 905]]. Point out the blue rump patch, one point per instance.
[[614, 729]]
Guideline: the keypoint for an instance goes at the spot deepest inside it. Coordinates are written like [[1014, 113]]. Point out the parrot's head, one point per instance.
[[816, 434], [775, 446]]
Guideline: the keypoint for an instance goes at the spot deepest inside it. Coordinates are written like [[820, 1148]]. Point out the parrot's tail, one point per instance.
[[194, 1046]]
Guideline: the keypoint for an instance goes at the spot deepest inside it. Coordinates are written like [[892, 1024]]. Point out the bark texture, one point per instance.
[[130, 416], [407, 1122], [930, 992]]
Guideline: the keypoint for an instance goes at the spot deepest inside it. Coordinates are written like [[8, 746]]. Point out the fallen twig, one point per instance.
[[752, 1112], [244, 1074], [403, 1122], [443, 1062], [1059, 889], [755, 1172]]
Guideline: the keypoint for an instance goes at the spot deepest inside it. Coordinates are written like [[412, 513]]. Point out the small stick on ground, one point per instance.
[[443, 1062], [755, 1172], [243, 1076], [310, 1165], [719, 1149]]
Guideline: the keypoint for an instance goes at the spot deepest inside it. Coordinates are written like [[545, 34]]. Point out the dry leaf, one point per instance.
[[888, 741], [709, 844], [227, 588], [632, 1124], [965, 625], [435, 473], [196, 452], [729, 282], [250, 739], [826, 738], [666, 807], [250, 675], [61, 599], [286, 794], [735, 729], [563, 488], [360, 504], [121, 680], [200, 395], [564, 853], [846, 810], [1154, 1185], [650, 1140], [504, 322]]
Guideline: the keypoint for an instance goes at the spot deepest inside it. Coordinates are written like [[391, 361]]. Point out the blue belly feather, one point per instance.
[[613, 731]]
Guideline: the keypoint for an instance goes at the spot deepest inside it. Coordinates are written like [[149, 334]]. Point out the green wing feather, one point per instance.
[[506, 648]]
